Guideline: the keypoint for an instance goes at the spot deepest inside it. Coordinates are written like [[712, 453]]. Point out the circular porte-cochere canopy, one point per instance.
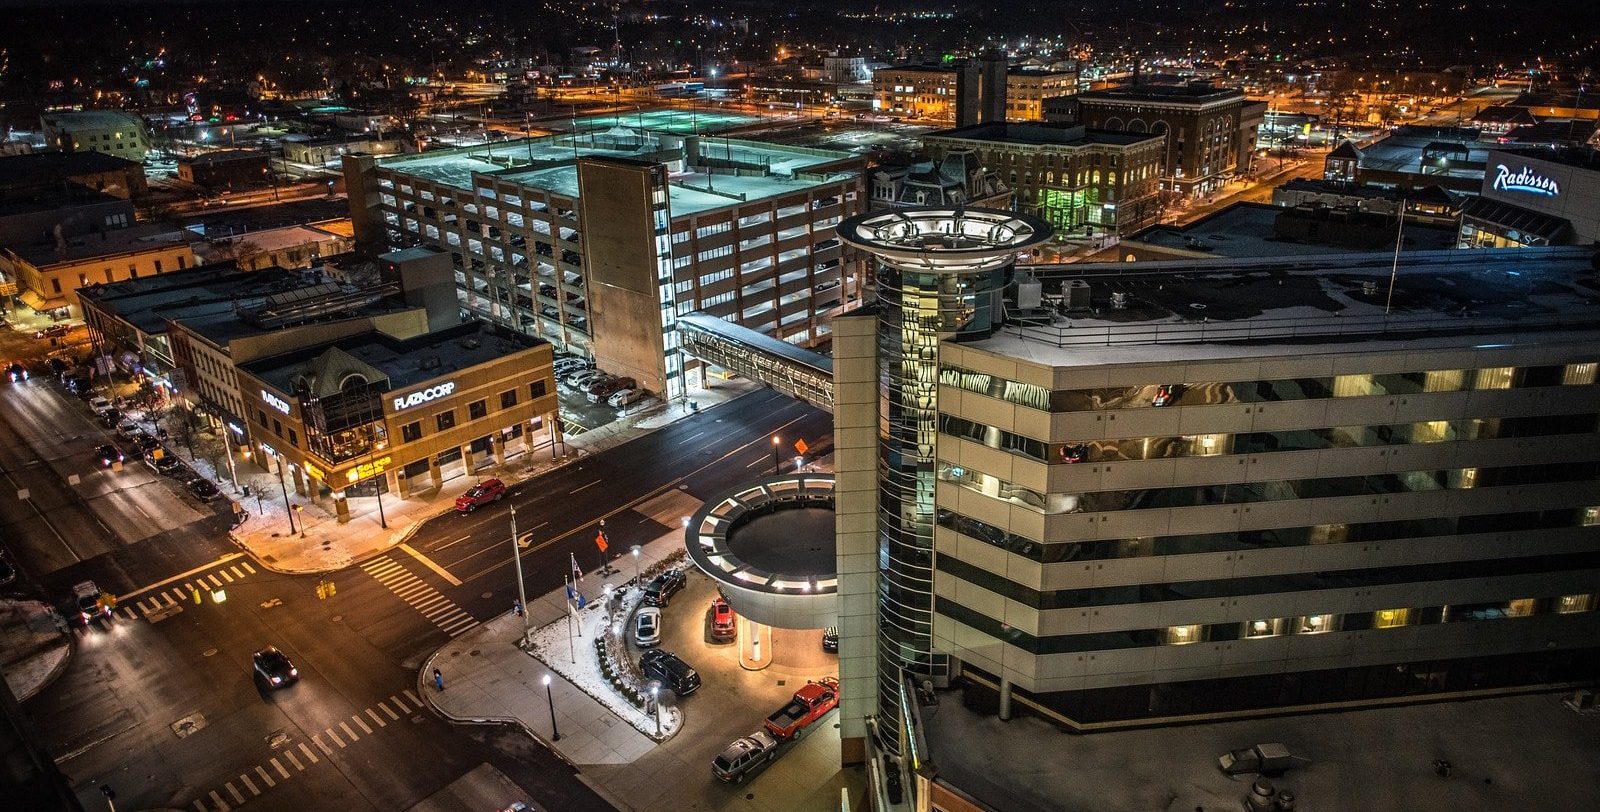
[[770, 547], [944, 239]]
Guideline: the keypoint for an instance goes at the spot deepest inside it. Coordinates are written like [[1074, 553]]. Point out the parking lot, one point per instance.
[[578, 415]]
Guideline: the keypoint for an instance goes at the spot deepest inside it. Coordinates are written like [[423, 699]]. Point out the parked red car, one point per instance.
[[721, 619], [489, 490], [810, 703]]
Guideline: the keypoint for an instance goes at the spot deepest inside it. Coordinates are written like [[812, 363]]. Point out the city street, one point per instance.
[[160, 702]]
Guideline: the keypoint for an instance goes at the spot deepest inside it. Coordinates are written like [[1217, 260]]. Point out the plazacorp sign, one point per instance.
[[1524, 180], [275, 402], [423, 396]]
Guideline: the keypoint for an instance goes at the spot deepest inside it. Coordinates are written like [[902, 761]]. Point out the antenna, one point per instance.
[[1394, 268]]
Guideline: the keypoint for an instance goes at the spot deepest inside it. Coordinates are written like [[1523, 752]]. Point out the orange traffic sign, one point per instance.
[[800, 446]]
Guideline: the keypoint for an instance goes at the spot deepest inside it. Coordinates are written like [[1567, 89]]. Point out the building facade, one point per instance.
[[110, 131], [1548, 197], [48, 274], [370, 414], [930, 91], [1127, 538], [737, 229], [1210, 131], [1073, 178]]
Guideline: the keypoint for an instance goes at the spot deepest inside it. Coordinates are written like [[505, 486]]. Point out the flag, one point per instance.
[[572, 594], [577, 574], [600, 540], [582, 602]]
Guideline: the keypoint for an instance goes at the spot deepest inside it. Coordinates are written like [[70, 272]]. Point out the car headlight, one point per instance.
[[276, 680], [84, 615], [294, 672]]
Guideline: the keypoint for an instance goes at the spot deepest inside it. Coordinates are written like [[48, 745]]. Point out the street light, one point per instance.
[[655, 707], [776, 441], [555, 735], [636, 580], [297, 509]]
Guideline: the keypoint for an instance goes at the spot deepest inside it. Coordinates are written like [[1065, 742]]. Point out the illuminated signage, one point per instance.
[[417, 398], [1524, 180], [366, 469], [275, 402]]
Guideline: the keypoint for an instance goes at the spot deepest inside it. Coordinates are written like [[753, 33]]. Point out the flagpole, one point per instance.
[[522, 592], [572, 641]]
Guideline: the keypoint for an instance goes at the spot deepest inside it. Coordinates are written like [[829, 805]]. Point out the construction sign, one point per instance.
[[600, 541], [800, 447]]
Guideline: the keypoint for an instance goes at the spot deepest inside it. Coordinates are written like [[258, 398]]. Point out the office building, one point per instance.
[[96, 171], [1543, 197], [371, 414], [938, 91], [1073, 178], [597, 242], [1218, 486], [49, 272], [957, 178], [1210, 131], [113, 132], [226, 169]]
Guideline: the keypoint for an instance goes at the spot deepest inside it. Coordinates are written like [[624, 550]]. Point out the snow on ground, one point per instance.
[[571, 654]]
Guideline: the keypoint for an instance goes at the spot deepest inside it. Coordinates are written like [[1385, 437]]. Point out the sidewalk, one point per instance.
[[34, 648], [489, 679], [325, 545]]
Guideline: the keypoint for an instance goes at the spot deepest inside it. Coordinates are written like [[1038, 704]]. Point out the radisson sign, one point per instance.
[[1524, 180], [423, 396]]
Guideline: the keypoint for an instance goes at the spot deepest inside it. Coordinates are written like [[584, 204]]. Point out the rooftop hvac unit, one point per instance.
[[1119, 300], [1075, 292], [1030, 294]]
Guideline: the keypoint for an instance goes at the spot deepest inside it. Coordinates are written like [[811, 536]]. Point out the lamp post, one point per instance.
[[555, 735], [655, 707], [776, 442], [636, 581], [285, 488], [297, 510], [522, 595]]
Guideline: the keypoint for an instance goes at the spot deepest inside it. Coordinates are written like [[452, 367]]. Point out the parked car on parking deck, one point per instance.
[[625, 398]]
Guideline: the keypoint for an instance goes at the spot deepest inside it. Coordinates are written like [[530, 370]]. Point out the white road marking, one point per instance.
[[182, 575], [200, 805], [247, 567], [429, 563], [363, 725], [171, 601], [392, 714], [581, 487], [264, 777], [249, 785], [345, 726], [399, 703], [335, 737], [289, 754], [376, 718], [225, 576], [309, 754], [238, 797], [236, 572], [436, 607], [413, 698], [279, 767], [214, 582], [326, 750], [222, 806]]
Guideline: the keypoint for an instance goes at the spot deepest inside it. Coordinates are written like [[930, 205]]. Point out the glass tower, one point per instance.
[[940, 275]]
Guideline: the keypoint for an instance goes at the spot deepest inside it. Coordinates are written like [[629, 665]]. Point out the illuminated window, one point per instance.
[[1183, 635], [1522, 607], [1390, 618], [1493, 378], [1263, 628], [1577, 374], [1569, 604], [1316, 624]]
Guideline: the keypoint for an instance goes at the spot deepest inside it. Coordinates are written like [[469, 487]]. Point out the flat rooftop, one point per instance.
[[113, 242], [404, 362], [549, 163], [1068, 135], [672, 120], [1241, 308], [1197, 92], [1247, 230], [52, 167], [81, 119], [1361, 759]]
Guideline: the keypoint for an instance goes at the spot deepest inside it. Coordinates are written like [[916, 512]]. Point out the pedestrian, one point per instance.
[[438, 680], [516, 606]]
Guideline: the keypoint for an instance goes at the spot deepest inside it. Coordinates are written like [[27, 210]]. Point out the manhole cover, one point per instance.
[[749, 796], [336, 618], [455, 654], [277, 739], [189, 724], [487, 595], [271, 603], [782, 683], [472, 653], [210, 652], [1197, 306]]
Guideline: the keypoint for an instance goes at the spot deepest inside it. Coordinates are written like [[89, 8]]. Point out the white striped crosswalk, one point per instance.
[[290, 760], [175, 594], [432, 604]]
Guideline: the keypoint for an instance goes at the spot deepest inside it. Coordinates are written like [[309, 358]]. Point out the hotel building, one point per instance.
[[597, 242]]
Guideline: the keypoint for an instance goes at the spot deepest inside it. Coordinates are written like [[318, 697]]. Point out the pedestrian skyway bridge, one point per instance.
[[796, 372]]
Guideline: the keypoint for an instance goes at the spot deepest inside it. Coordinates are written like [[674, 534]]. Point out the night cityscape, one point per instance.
[[897, 405]]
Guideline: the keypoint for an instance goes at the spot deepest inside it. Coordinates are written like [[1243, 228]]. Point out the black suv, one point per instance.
[[671, 671], [660, 590]]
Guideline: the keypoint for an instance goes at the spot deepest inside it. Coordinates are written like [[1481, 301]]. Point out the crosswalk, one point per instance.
[[438, 609], [292, 758], [160, 603]]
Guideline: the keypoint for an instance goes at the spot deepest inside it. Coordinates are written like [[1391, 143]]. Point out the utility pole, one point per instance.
[[516, 555]]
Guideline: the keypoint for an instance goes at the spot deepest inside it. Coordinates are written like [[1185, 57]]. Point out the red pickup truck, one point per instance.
[[809, 704]]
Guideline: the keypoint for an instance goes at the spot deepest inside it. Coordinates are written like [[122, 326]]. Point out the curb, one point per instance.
[[577, 455]]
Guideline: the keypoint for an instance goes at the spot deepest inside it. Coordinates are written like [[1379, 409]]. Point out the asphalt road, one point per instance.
[[165, 710]]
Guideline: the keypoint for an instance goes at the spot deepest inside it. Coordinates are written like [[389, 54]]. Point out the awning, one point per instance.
[[1508, 217], [32, 299]]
